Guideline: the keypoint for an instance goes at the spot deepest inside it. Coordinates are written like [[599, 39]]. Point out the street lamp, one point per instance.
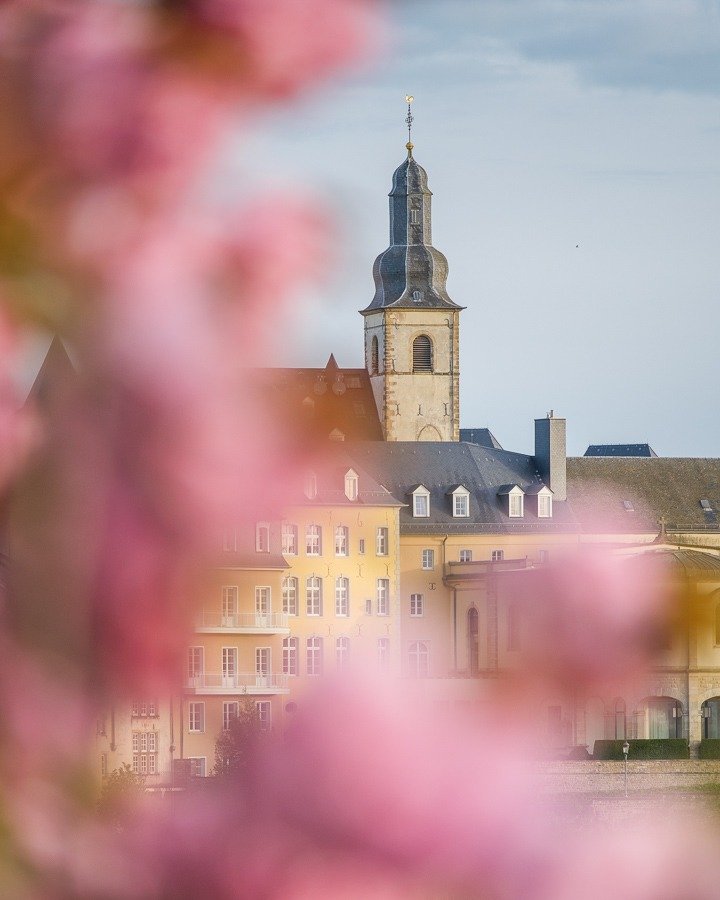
[[625, 750]]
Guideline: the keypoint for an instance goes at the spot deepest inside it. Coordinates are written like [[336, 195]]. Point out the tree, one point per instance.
[[235, 747], [121, 788]]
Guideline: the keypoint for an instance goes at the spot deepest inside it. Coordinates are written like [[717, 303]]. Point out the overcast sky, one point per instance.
[[573, 151]]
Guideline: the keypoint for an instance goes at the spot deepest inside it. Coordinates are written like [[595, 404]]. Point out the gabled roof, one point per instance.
[[330, 470], [481, 436]]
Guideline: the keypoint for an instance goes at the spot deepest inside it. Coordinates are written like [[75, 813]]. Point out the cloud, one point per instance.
[[658, 45]]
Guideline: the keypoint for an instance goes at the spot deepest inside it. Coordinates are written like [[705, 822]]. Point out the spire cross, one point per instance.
[[408, 121]]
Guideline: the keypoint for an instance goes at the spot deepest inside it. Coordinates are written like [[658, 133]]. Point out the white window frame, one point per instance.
[[515, 505], [382, 595], [289, 539], [342, 653], [428, 558], [465, 556], [419, 659], [314, 656], [230, 602], [262, 537], [290, 655], [352, 485], [342, 596], [310, 487], [196, 662], [417, 605], [313, 540], [263, 601], [290, 595], [382, 541], [421, 503], [461, 504], [196, 717], [544, 501], [263, 711], [230, 541], [497, 555], [313, 596], [383, 654], [342, 540], [231, 710]]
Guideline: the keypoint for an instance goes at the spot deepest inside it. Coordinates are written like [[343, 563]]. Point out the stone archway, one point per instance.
[[429, 433]]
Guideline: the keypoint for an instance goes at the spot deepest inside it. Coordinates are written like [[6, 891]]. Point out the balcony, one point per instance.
[[242, 623], [240, 683]]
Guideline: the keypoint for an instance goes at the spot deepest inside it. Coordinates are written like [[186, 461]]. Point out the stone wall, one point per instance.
[[647, 775]]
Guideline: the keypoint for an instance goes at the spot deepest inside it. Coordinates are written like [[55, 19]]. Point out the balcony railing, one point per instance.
[[242, 621], [239, 683]]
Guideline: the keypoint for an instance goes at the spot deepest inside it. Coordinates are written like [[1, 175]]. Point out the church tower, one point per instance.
[[412, 325]]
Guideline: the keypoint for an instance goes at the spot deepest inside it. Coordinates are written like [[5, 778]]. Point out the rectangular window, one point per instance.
[[229, 666], [143, 708], [263, 666], [466, 556], [368, 606], [361, 546], [342, 540], [289, 595], [196, 717], [383, 596], [313, 596], [290, 656], [145, 748], [417, 605], [262, 605], [461, 506], [289, 539], [231, 710], [197, 766], [263, 709], [497, 555], [230, 541], [516, 506], [314, 656], [262, 537], [342, 653], [313, 540], [229, 605], [383, 649], [421, 505], [428, 559], [414, 216], [342, 597], [381, 542], [419, 659], [544, 506], [196, 662]]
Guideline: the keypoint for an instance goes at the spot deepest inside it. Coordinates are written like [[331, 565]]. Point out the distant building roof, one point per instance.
[[620, 450], [483, 437]]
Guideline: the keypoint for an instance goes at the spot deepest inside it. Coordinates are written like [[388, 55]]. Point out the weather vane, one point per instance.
[[408, 121]]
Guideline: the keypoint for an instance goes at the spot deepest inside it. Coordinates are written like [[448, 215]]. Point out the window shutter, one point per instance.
[[422, 354]]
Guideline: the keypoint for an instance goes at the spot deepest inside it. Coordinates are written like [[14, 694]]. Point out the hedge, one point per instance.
[[709, 748], [654, 748]]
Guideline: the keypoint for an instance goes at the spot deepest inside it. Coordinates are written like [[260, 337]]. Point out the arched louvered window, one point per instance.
[[374, 356], [422, 354]]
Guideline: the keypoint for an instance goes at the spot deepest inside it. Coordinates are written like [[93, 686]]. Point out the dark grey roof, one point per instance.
[[402, 465], [482, 436], [693, 564], [411, 273], [330, 468], [659, 486], [620, 450]]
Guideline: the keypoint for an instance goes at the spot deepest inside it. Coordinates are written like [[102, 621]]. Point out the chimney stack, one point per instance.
[[551, 454]]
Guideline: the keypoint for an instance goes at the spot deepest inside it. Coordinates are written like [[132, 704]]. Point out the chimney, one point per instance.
[[551, 454]]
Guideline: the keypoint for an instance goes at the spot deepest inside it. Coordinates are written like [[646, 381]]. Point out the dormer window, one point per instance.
[[310, 485], [706, 505], [628, 506], [544, 505], [351, 485], [460, 502], [512, 497], [421, 502], [262, 537]]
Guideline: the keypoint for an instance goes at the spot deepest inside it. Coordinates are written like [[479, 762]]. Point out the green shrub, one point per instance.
[[654, 748], [710, 749]]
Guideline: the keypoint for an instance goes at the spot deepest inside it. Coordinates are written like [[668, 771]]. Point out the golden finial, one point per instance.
[[408, 121]]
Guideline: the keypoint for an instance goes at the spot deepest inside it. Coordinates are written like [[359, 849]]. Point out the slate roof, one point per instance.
[[620, 450], [482, 436], [402, 465], [330, 468], [318, 402], [659, 486]]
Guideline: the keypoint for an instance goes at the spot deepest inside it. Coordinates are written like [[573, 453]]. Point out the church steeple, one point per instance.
[[411, 324], [411, 273]]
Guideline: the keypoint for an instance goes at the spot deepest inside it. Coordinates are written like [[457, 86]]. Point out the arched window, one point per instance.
[[472, 639], [711, 718], [374, 356], [422, 354], [419, 659]]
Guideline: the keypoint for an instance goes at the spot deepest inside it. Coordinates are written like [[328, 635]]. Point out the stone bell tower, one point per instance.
[[412, 325]]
